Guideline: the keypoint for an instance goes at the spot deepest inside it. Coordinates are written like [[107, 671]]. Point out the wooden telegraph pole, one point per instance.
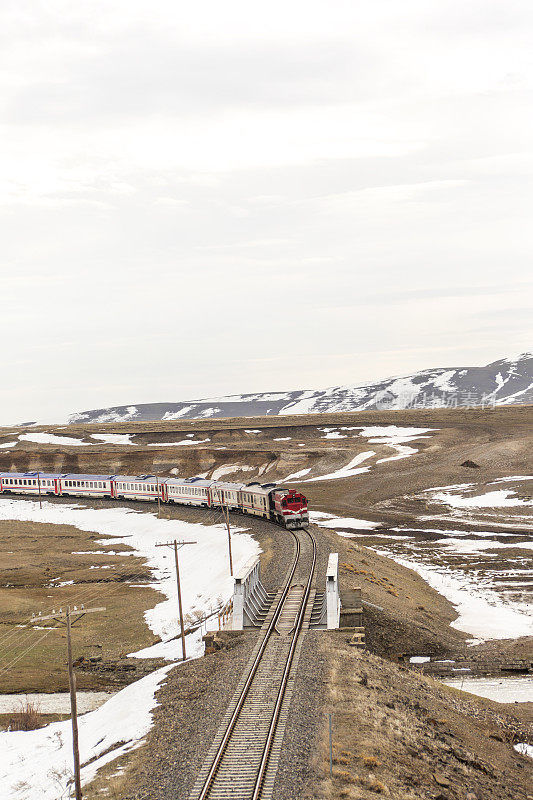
[[158, 498], [225, 511], [74, 711], [177, 546], [225, 514], [39, 485], [64, 617]]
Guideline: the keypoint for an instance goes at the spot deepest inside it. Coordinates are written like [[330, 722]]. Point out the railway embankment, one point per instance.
[[396, 733]]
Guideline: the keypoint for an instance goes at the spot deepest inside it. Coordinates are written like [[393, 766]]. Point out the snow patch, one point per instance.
[[294, 475], [113, 438], [497, 499], [178, 444], [51, 438], [227, 469], [524, 749], [347, 471], [331, 521]]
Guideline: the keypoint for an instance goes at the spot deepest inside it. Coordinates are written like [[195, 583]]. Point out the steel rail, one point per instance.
[[285, 678], [242, 699]]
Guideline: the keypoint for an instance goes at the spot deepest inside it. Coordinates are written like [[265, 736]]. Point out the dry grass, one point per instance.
[[391, 727], [27, 719], [33, 555]]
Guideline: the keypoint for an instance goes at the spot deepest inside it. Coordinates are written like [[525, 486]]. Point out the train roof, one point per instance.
[[227, 485], [40, 475], [136, 478], [256, 488], [86, 477]]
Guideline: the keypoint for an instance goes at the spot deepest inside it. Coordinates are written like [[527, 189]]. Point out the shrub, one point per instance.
[[27, 719]]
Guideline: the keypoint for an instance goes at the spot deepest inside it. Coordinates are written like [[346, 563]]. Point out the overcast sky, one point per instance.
[[219, 197]]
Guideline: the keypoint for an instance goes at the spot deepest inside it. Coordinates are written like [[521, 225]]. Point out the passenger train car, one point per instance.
[[288, 507]]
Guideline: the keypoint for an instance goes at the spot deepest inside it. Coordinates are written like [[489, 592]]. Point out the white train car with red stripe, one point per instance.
[[288, 507]]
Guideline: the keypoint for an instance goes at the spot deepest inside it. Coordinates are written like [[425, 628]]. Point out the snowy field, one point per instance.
[[36, 765], [491, 592], [487, 576]]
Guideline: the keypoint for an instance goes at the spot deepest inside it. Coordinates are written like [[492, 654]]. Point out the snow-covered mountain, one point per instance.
[[503, 382]]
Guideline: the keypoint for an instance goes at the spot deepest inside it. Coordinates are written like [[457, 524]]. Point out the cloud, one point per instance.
[[186, 186]]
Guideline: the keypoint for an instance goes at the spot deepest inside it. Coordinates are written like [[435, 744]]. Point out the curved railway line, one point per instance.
[[242, 761]]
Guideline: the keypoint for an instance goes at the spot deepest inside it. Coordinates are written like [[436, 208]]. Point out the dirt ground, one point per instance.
[[36, 560]]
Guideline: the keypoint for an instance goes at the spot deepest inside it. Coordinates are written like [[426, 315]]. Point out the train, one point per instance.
[[287, 507]]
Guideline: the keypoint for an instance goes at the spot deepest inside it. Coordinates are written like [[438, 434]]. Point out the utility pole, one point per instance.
[[225, 511], [74, 712], [330, 746], [177, 546], [225, 514], [158, 498], [72, 681], [39, 485]]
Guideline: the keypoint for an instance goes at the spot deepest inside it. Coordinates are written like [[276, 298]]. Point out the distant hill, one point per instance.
[[505, 382]]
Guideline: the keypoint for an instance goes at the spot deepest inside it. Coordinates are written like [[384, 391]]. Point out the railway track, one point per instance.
[[242, 761]]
